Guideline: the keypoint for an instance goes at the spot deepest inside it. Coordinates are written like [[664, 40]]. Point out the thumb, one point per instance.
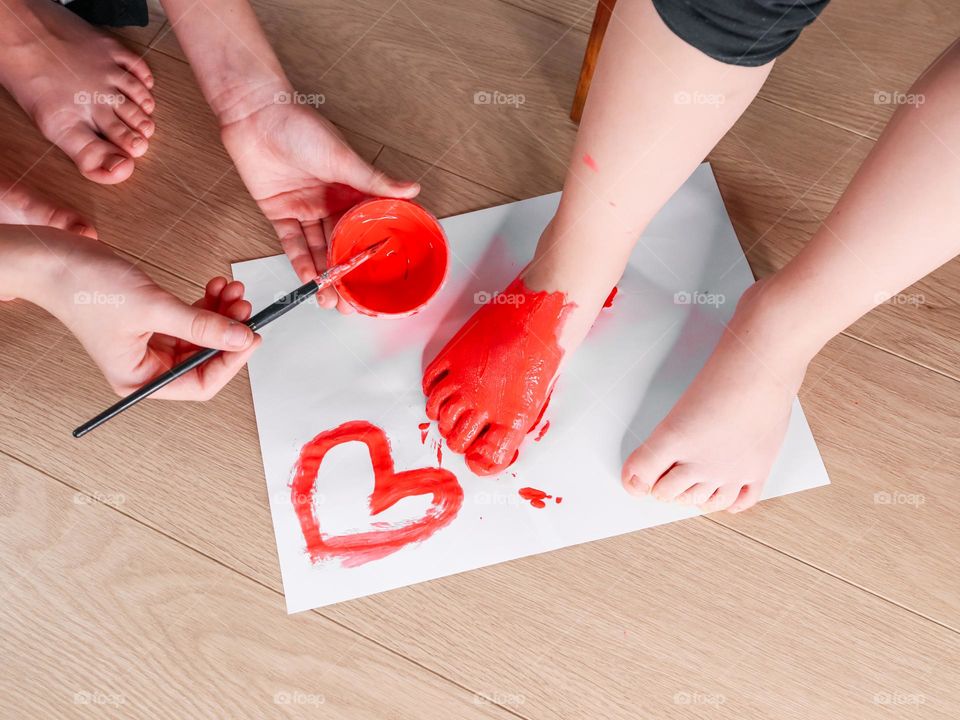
[[367, 179], [204, 327]]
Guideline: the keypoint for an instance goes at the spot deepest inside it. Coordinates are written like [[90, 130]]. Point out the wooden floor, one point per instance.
[[139, 570]]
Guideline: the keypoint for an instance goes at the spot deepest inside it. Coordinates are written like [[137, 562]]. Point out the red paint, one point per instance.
[[424, 429], [389, 488], [609, 301], [536, 497], [490, 384], [559, 499], [406, 273], [590, 162], [439, 454], [543, 431]]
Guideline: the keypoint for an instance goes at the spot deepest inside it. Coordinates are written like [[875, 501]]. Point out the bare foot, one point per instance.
[[20, 205], [490, 384], [87, 93], [718, 443]]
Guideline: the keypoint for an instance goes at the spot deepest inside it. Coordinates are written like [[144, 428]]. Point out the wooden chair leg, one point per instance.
[[600, 21]]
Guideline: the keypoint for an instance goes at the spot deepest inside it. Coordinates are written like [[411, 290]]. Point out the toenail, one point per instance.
[[638, 485], [78, 229], [149, 80], [137, 142], [113, 162]]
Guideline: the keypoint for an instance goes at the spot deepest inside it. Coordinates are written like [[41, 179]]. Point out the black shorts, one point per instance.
[[112, 13], [739, 32]]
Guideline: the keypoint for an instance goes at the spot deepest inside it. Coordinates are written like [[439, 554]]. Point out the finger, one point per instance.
[[212, 291], [328, 298], [208, 379], [316, 243], [367, 179], [238, 310], [232, 292], [200, 327], [294, 245]]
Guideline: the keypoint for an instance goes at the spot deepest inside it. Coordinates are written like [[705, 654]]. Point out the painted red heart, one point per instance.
[[389, 487]]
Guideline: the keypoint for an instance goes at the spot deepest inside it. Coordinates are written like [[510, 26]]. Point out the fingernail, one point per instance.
[[113, 162], [237, 335]]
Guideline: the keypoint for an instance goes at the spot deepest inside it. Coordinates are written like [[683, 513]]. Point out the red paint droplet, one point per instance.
[[439, 454], [559, 499], [609, 301], [590, 162], [424, 429], [534, 496], [543, 431]]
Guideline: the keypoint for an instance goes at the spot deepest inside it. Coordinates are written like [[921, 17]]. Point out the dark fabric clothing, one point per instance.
[[739, 32], [112, 13]]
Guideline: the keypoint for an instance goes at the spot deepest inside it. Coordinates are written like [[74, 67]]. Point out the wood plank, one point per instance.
[[780, 175], [574, 14], [857, 49], [185, 208], [406, 74], [100, 613]]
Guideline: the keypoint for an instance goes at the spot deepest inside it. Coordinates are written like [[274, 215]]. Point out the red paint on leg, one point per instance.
[[590, 162], [608, 303], [503, 362], [389, 488]]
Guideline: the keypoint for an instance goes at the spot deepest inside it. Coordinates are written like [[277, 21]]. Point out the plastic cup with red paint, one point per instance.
[[410, 269]]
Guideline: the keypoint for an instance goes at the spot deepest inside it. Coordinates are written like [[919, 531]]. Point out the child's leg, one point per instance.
[[20, 205], [656, 108], [87, 93], [896, 222]]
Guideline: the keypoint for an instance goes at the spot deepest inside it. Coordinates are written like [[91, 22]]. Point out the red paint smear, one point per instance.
[[439, 454], [410, 268], [609, 301], [424, 429], [590, 162], [501, 367], [536, 497], [389, 488], [543, 431]]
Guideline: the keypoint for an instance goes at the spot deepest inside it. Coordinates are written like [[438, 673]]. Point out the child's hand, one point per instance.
[[303, 176], [135, 330]]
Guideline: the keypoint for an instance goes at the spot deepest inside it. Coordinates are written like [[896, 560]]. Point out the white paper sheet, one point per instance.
[[317, 370]]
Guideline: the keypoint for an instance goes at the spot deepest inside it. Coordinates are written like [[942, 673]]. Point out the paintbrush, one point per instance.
[[264, 317]]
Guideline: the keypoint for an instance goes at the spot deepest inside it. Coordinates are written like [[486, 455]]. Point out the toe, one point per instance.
[[747, 498], [136, 119], [722, 498], [494, 450], [466, 430], [72, 221], [440, 393], [644, 467], [98, 160], [434, 373], [131, 86], [450, 412], [117, 132], [135, 65], [675, 481], [697, 494]]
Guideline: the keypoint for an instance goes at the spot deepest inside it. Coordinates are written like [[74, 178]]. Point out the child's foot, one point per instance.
[[716, 447], [489, 385], [87, 93], [21, 206]]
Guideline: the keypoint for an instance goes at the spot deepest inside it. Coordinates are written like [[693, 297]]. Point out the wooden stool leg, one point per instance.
[[600, 21]]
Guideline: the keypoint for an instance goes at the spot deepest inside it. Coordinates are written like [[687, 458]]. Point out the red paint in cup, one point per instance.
[[410, 269]]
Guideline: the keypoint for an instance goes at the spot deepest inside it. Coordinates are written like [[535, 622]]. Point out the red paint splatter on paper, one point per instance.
[[590, 162], [389, 488], [543, 431], [424, 429], [534, 496]]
